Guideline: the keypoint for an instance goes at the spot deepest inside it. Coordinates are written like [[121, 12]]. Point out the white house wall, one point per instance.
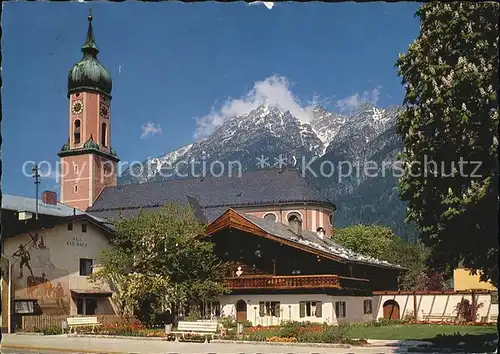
[[290, 308]]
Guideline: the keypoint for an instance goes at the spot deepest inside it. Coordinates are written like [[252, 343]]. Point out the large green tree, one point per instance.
[[161, 259], [450, 133], [381, 243]]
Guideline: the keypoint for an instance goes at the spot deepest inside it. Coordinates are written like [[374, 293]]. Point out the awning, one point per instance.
[[90, 293]]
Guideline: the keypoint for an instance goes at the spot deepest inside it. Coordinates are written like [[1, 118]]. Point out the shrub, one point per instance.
[[290, 329], [310, 337], [227, 322], [49, 330], [257, 336], [334, 334], [409, 317], [466, 310]]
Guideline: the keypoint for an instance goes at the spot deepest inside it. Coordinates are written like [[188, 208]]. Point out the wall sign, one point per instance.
[[77, 242]]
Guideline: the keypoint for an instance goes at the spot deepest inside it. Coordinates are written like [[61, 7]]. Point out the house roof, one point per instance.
[[213, 195], [37, 225], [308, 240], [19, 203]]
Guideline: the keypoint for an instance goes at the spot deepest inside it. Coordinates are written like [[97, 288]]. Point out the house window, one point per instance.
[[84, 227], [103, 134], [86, 306], [270, 217], [70, 226], [340, 310], [76, 188], [210, 309], [367, 306], [85, 266], [269, 308], [330, 219], [75, 167], [310, 308], [76, 132]]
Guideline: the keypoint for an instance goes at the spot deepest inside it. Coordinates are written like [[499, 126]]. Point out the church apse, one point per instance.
[[35, 276]]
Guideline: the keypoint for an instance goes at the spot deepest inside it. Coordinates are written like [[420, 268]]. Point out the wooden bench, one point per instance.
[[75, 322], [204, 328], [430, 317]]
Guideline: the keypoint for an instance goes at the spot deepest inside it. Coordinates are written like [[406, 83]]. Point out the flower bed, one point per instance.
[[293, 332]]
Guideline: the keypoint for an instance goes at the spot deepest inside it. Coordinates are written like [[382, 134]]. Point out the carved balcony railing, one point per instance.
[[283, 282]]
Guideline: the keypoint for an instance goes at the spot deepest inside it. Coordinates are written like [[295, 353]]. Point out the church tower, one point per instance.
[[87, 161]]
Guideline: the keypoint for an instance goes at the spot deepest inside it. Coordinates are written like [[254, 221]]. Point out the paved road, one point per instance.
[[64, 344]]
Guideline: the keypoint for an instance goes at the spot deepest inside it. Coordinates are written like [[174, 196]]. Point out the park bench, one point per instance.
[[441, 317], [204, 328], [75, 322]]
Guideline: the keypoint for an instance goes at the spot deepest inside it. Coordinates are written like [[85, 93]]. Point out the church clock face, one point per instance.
[[104, 111], [77, 107]]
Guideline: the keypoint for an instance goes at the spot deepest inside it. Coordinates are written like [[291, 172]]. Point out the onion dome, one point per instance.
[[88, 73]]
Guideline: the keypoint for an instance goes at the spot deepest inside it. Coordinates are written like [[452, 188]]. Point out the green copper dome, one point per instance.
[[91, 144], [88, 73]]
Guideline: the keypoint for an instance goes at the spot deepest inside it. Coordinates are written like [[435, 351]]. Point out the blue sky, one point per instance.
[[180, 68]]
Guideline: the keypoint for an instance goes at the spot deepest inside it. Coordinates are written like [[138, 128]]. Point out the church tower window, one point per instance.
[[76, 132], [103, 134]]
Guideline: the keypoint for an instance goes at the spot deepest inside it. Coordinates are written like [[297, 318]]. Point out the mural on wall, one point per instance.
[[34, 276]]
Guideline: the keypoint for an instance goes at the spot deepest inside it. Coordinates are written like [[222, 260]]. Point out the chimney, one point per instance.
[[49, 197]]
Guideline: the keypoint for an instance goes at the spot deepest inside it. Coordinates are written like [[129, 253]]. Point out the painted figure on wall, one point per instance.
[[40, 283], [25, 258], [59, 295]]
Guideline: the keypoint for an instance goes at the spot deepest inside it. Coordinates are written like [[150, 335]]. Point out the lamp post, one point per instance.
[[36, 176]]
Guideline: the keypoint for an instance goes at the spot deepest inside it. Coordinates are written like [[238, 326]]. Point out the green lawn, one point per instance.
[[418, 332]]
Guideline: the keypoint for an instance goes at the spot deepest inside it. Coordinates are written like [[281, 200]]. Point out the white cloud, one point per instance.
[[150, 129], [273, 91], [354, 101], [267, 4]]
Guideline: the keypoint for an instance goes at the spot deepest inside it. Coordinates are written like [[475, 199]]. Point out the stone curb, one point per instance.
[[221, 341], [293, 344], [116, 337]]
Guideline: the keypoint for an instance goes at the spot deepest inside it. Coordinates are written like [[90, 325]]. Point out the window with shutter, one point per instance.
[[319, 309], [277, 309], [367, 307], [302, 310], [340, 309]]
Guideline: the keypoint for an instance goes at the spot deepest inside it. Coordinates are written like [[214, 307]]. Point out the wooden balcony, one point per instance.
[[283, 282]]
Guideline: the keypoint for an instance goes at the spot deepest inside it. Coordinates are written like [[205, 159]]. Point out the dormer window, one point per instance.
[[330, 219], [270, 217], [294, 217], [295, 222]]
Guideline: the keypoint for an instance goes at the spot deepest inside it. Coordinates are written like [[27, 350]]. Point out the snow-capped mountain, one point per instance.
[[283, 140]]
